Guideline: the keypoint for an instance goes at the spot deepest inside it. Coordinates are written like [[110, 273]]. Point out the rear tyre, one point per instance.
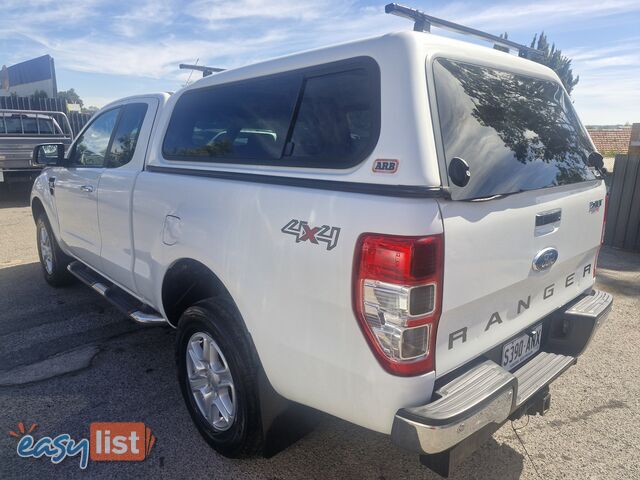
[[217, 371], [53, 260]]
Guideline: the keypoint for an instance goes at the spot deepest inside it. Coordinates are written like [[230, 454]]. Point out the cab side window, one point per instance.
[[91, 147], [125, 139], [335, 125], [325, 116]]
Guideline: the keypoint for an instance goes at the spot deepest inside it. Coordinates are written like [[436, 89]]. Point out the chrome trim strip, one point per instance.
[[438, 438], [146, 318], [101, 288]]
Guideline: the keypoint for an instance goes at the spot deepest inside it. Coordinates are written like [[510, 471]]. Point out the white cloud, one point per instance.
[[51, 14], [155, 59], [608, 90], [514, 15], [142, 17], [220, 10]]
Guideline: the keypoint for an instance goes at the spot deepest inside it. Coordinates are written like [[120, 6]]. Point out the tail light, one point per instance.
[[397, 296]]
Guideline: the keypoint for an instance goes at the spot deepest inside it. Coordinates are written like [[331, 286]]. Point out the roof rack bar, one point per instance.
[[206, 71], [423, 23]]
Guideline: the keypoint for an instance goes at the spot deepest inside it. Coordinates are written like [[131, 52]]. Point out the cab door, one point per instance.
[[125, 161], [76, 188]]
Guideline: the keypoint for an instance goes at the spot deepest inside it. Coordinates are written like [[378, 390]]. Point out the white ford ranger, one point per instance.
[[400, 231]]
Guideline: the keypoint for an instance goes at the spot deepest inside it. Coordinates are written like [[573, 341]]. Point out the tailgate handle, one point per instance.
[[547, 222], [545, 218]]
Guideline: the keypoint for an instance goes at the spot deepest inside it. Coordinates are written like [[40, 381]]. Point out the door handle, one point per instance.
[[52, 185], [87, 188]]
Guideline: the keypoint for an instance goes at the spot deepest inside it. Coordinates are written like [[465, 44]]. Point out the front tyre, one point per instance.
[[217, 371], [53, 260]]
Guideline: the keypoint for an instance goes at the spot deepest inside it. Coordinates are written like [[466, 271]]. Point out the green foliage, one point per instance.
[[71, 96], [554, 59], [38, 94], [90, 109]]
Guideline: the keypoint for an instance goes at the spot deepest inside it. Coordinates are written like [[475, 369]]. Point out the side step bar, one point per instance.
[[134, 308]]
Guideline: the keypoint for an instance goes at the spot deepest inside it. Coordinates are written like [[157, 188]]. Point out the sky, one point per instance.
[[107, 49]]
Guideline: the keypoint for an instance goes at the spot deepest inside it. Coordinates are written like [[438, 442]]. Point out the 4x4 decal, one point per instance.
[[303, 233]]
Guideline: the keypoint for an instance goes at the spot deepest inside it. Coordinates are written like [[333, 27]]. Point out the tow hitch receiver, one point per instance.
[[540, 403]]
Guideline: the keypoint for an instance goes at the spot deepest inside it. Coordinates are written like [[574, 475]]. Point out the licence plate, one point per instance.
[[518, 350]]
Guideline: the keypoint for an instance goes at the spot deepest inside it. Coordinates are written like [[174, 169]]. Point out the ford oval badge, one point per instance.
[[545, 259]]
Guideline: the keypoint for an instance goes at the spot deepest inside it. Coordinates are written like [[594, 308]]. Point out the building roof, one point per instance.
[[610, 140]]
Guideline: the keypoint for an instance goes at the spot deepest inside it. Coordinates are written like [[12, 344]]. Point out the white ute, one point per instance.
[[400, 231]]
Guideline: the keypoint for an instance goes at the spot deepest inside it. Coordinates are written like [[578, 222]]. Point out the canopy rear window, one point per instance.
[[515, 132]]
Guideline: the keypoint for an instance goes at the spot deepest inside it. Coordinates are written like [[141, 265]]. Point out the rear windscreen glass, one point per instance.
[[46, 126], [13, 124], [515, 132]]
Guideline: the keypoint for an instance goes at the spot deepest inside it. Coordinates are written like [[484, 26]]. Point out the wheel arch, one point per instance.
[[37, 208], [186, 282]]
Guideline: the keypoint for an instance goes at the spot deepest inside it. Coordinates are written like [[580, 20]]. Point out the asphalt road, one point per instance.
[[67, 358]]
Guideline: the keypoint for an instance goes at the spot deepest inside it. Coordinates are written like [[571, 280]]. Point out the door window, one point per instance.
[[91, 147], [126, 137]]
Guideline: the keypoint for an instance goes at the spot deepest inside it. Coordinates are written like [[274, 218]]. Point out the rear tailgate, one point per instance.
[[491, 289], [521, 189]]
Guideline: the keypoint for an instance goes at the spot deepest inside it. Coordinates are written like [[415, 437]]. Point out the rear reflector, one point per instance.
[[397, 296]]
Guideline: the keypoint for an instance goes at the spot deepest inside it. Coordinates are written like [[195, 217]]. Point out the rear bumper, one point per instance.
[[486, 395]]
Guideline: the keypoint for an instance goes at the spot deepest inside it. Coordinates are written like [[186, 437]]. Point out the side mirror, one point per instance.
[[596, 160], [48, 154]]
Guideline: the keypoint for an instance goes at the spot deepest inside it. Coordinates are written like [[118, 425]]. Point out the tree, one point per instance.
[[71, 97], [554, 59], [90, 109], [38, 94]]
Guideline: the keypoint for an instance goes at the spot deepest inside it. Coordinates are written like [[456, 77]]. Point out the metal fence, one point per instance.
[[76, 119], [623, 217]]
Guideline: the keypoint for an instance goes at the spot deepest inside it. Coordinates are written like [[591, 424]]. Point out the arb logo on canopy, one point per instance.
[[128, 441]]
